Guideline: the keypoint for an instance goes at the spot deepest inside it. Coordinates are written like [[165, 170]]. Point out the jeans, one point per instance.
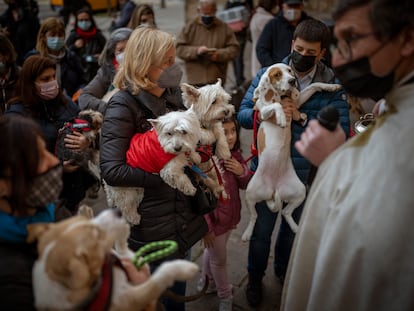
[[259, 246]]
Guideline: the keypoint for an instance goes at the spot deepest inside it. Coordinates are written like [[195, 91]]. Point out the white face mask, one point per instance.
[[292, 14], [119, 58]]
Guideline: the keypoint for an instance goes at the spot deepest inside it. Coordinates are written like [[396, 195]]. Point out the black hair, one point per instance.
[[19, 159], [388, 17], [313, 30], [233, 119]]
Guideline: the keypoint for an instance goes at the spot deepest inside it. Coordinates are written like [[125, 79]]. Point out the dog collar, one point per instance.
[[100, 296], [78, 125]]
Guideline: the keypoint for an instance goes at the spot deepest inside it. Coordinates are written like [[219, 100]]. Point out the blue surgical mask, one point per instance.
[[2, 68], [84, 25], [55, 43], [207, 19]]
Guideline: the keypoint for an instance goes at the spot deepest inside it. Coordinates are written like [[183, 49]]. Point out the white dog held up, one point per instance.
[[166, 149], [275, 180]]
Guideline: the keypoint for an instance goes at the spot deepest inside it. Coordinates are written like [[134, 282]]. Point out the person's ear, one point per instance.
[[321, 54], [407, 38], [291, 46]]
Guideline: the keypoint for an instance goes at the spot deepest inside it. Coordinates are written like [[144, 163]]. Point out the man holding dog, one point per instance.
[[308, 47], [354, 247]]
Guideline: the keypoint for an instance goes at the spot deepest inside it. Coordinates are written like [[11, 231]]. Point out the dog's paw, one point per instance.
[[280, 118], [332, 87], [189, 190], [85, 210], [131, 217], [180, 270]]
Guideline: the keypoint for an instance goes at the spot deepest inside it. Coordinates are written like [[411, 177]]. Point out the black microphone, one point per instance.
[[328, 117]]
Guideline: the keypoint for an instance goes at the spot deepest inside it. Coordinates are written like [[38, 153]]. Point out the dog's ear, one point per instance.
[[36, 230], [154, 123], [218, 82], [190, 94]]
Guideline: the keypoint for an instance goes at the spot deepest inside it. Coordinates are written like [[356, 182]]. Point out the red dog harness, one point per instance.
[[78, 125], [146, 153]]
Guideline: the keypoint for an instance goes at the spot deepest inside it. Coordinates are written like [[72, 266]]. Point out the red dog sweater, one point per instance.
[[146, 153]]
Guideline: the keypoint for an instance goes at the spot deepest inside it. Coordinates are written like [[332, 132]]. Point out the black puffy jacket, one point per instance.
[[16, 262], [166, 213]]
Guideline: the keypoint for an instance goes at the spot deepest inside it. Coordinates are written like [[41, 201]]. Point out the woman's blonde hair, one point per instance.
[[145, 48], [52, 24]]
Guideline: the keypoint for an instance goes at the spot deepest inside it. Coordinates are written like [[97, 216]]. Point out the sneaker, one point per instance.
[[226, 304], [254, 291], [211, 289]]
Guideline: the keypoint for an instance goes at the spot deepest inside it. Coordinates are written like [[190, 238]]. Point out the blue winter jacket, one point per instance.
[[311, 108]]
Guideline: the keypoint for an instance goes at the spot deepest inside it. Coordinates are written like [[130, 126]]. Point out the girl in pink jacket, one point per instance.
[[224, 218]]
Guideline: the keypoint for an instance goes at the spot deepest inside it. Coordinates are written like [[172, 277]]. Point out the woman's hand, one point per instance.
[[209, 239], [76, 141], [233, 166], [317, 143]]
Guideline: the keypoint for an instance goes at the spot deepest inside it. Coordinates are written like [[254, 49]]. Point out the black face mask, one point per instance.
[[207, 20], [357, 79], [302, 63]]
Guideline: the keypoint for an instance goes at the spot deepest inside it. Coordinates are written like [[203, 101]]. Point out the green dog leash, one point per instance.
[[154, 251]]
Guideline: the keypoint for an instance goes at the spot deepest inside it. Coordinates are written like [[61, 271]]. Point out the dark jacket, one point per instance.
[[275, 41], [165, 212], [16, 262], [92, 94], [87, 53], [23, 32], [311, 108], [7, 90]]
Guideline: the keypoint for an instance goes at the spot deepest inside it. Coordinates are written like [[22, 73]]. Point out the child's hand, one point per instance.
[[209, 239], [233, 166]]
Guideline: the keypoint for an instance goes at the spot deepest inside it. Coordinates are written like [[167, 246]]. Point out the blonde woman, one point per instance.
[[148, 81]]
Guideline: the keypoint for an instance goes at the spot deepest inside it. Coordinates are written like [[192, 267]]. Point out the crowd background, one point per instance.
[[172, 19]]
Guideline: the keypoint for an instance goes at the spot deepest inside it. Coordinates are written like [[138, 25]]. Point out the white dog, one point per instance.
[[166, 149], [77, 268], [275, 180], [211, 105]]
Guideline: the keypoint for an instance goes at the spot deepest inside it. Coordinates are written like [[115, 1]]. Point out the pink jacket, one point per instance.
[[226, 216]]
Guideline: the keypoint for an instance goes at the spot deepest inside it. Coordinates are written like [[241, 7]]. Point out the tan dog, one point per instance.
[[75, 263], [275, 180]]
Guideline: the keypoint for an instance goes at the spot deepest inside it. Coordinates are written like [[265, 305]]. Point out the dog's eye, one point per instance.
[[214, 102], [169, 134], [184, 132]]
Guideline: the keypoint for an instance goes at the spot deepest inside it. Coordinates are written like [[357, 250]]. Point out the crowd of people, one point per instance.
[[357, 208]]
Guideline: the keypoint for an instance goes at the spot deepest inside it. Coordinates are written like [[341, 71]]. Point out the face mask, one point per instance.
[[46, 187], [302, 63], [84, 25], [207, 20], [170, 77], [2, 68], [292, 14], [48, 90], [55, 43], [357, 79], [119, 57]]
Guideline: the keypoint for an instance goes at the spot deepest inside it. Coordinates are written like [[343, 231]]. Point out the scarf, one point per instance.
[[58, 59], [13, 228], [86, 35]]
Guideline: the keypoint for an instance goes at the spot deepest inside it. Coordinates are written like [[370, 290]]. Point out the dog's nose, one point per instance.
[[292, 82], [117, 212], [178, 149]]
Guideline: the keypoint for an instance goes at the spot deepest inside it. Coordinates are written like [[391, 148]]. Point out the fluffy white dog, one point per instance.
[[275, 180], [211, 105], [166, 149]]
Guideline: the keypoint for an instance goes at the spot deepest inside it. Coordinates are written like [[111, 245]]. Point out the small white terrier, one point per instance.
[[166, 149], [211, 105]]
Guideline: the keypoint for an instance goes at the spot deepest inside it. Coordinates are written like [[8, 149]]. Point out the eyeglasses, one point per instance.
[[344, 46]]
